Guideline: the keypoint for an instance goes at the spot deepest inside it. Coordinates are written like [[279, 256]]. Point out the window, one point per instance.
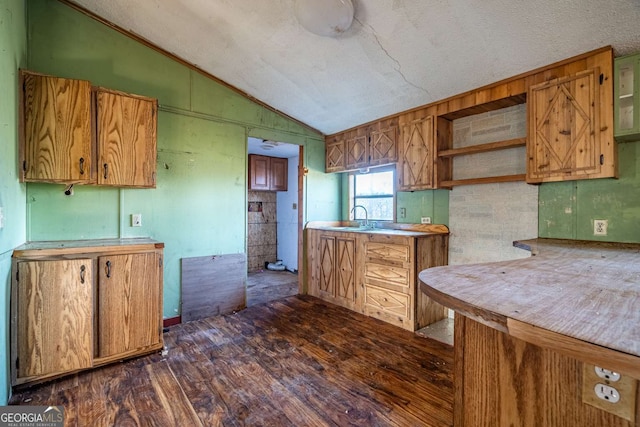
[[374, 191]]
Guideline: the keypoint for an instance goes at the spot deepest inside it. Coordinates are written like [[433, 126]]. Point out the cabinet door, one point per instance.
[[335, 154], [626, 98], [357, 152], [383, 146], [259, 176], [129, 305], [327, 284], [415, 163], [564, 133], [54, 317], [126, 135], [56, 122], [278, 171], [345, 270]]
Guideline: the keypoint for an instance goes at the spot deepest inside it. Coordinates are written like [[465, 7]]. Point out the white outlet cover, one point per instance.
[[425, 220], [136, 220], [600, 227]]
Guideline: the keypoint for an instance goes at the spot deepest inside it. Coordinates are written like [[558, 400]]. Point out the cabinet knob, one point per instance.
[[83, 269], [108, 269]]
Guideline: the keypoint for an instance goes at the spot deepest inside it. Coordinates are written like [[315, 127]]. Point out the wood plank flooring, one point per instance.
[[295, 361], [267, 285]]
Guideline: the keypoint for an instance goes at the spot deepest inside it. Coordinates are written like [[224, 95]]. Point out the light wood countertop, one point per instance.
[[582, 294]]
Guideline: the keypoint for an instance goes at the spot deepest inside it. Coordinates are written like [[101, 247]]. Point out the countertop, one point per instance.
[[396, 229], [61, 246], [587, 291]]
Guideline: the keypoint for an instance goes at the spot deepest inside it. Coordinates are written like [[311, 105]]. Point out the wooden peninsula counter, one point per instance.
[[528, 333]]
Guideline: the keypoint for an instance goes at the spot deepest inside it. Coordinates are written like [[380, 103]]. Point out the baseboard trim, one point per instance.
[[171, 321]]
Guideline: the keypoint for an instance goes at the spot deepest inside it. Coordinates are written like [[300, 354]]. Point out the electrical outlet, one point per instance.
[[425, 220], [403, 212], [600, 227], [1, 217], [610, 391], [136, 220]]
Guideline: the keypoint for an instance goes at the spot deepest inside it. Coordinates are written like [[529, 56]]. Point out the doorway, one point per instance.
[[273, 228]]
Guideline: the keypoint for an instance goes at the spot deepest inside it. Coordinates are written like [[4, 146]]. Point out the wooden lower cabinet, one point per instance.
[[376, 273], [75, 306], [332, 275]]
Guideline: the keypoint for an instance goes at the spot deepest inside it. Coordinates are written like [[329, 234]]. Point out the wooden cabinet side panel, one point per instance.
[[432, 251], [128, 303], [126, 135], [501, 380], [57, 129], [54, 317]]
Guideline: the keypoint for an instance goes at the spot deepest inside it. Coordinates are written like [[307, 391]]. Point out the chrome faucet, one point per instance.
[[366, 215]]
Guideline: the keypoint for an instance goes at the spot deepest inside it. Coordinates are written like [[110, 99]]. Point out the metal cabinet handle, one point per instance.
[[108, 269], [106, 171], [81, 165], [82, 271]]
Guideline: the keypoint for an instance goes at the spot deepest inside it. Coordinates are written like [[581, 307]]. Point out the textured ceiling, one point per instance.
[[398, 54]]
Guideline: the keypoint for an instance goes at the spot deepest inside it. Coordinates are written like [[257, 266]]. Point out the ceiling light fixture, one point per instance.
[[267, 144], [328, 18]]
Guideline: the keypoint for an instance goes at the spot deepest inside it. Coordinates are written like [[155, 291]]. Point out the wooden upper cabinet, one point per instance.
[[372, 145], [56, 144], [570, 129], [279, 174], [383, 143], [357, 151], [267, 173], [128, 324], [54, 318], [416, 160], [126, 137], [335, 154]]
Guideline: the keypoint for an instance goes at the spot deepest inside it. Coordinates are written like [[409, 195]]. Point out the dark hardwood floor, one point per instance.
[[295, 361], [267, 285]]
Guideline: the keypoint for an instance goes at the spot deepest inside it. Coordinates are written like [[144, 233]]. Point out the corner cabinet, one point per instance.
[[126, 138], [570, 133], [71, 133], [627, 98], [78, 305], [55, 119], [268, 173]]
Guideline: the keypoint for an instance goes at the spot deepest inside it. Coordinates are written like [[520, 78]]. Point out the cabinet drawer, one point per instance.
[[385, 274], [387, 251], [378, 300]]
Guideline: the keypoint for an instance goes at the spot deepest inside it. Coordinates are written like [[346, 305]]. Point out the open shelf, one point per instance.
[[484, 148], [484, 180]]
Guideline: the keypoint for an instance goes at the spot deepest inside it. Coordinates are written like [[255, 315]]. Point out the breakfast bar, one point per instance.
[[530, 332]]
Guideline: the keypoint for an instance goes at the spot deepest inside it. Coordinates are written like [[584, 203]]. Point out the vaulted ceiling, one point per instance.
[[398, 54]]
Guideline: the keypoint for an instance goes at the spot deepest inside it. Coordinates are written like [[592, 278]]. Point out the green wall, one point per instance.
[[199, 205], [567, 209], [13, 53]]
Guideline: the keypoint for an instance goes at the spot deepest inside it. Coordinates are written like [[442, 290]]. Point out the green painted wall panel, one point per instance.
[[66, 43], [13, 55], [557, 209], [568, 209], [431, 203], [90, 213]]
